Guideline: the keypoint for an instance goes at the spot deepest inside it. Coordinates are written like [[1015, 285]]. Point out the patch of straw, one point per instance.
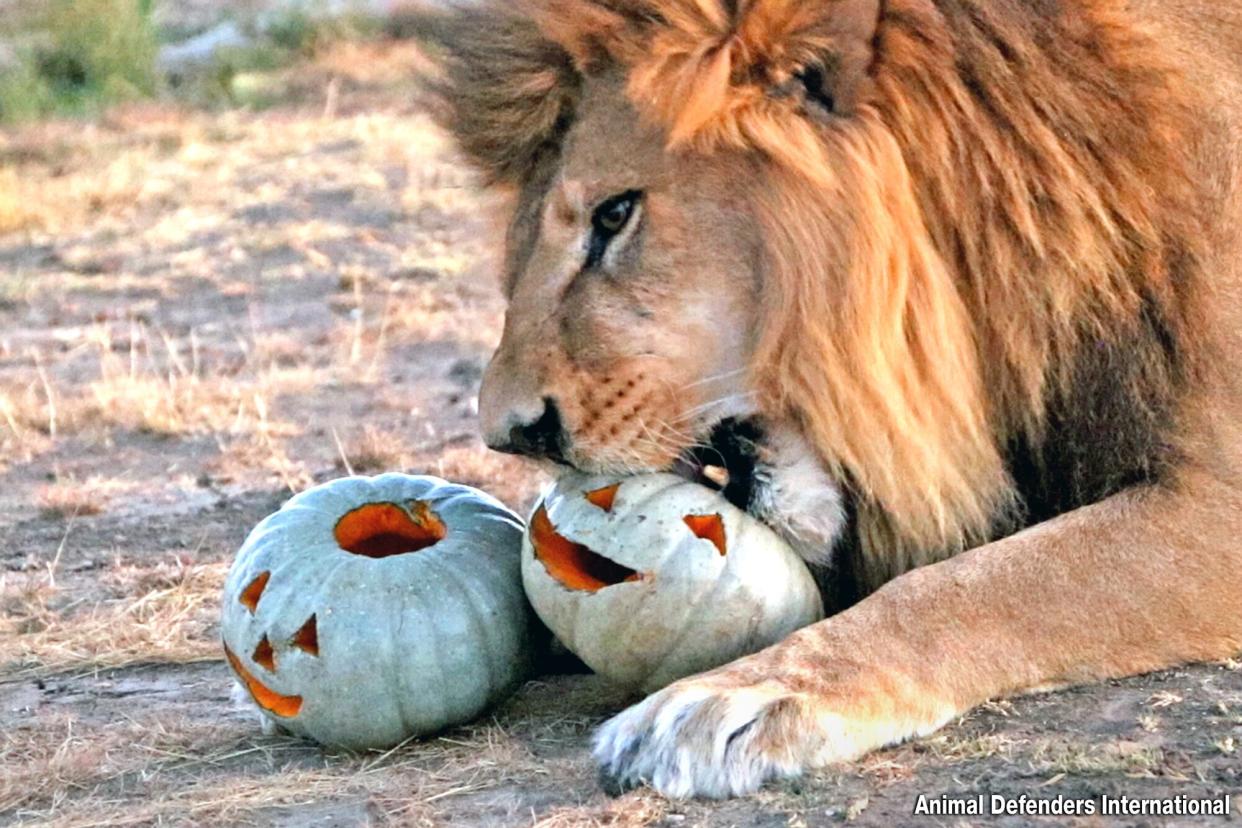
[[164, 614]]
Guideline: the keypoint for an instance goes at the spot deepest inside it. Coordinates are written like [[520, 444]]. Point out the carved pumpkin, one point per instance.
[[653, 578], [368, 610]]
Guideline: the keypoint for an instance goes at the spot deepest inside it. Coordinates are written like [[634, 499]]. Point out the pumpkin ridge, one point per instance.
[[483, 631], [437, 636]]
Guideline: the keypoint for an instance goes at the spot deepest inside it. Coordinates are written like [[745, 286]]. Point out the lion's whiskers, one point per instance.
[[728, 399], [713, 378]]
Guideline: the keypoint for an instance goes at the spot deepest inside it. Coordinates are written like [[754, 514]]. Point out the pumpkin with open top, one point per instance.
[[369, 610]]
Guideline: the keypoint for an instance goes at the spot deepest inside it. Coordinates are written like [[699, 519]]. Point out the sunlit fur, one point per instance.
[[983, 202]]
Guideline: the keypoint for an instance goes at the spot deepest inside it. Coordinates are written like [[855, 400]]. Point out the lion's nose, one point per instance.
[[543, 436]]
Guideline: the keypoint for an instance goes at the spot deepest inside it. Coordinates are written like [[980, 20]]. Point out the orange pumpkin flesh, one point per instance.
[[573, 564], [307, 637], [250, 596], [379, 530], [604, 498], [264, 655], [708, 527], [271, 701]]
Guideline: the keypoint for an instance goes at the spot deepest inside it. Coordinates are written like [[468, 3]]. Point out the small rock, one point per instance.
[[201, 51]]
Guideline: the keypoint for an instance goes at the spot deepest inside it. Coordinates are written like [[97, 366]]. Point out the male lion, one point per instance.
[[953, 287]]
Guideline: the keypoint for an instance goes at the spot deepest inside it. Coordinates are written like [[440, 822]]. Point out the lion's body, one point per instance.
[[977, 266]]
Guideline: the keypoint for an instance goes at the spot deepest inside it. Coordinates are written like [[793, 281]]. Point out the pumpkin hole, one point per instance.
[[381, 530], [307, 637], [264, 696], [250, 596], [264, 655], [708, 527], [572, 564], [604, 498]]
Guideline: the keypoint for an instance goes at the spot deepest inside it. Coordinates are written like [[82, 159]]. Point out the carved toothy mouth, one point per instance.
[[578, 567], [572, 564], [267, 698]]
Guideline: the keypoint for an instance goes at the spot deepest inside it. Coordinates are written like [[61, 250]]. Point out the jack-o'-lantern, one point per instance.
[[653, 577], [368, 610]]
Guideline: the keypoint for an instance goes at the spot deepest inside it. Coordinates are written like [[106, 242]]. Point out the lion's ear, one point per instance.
[[830, 86], [824, 57], [708, 62], [501, 88]]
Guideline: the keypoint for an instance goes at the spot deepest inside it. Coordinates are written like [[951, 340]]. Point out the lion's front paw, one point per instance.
[[701, 738]]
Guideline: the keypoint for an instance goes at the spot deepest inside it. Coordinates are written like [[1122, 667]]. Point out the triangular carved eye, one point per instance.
[[250, 596], [604, 498], [264, 655], [708, 527], [307, 637]]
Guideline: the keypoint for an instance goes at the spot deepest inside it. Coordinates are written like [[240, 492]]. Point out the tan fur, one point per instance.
[[1020, 225]]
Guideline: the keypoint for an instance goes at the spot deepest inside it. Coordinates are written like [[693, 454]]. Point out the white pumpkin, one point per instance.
[[368, 610], [653, 578]]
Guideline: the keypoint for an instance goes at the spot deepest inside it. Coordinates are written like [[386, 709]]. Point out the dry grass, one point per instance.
[[632, 811], [161, 384], [1121, 757], [951, 747], [164, 613], [512, 480], [15, 212], [167, 392], [149, 768], [242, 456], [32, 197], [70, 499], [28, 410], [373, 451], [1046, 755], [61, 755]]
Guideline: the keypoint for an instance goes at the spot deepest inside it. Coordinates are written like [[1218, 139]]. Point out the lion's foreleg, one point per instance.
[[1141, 581]]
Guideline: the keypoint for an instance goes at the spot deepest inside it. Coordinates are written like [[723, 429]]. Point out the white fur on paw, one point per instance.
[[696, 739], [799, 499], [692, 740]]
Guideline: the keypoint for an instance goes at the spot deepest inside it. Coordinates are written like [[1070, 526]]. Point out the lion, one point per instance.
[[951, 288]]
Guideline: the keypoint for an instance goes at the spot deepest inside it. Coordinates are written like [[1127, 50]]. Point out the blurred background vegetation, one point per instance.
[[75, 57]]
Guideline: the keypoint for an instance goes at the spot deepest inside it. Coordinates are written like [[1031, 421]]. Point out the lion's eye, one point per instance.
[[609, 219]]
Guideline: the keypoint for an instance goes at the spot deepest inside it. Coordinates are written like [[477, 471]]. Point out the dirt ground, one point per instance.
[[201, 313]]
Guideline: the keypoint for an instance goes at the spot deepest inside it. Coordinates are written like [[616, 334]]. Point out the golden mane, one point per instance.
[[994, 193]]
